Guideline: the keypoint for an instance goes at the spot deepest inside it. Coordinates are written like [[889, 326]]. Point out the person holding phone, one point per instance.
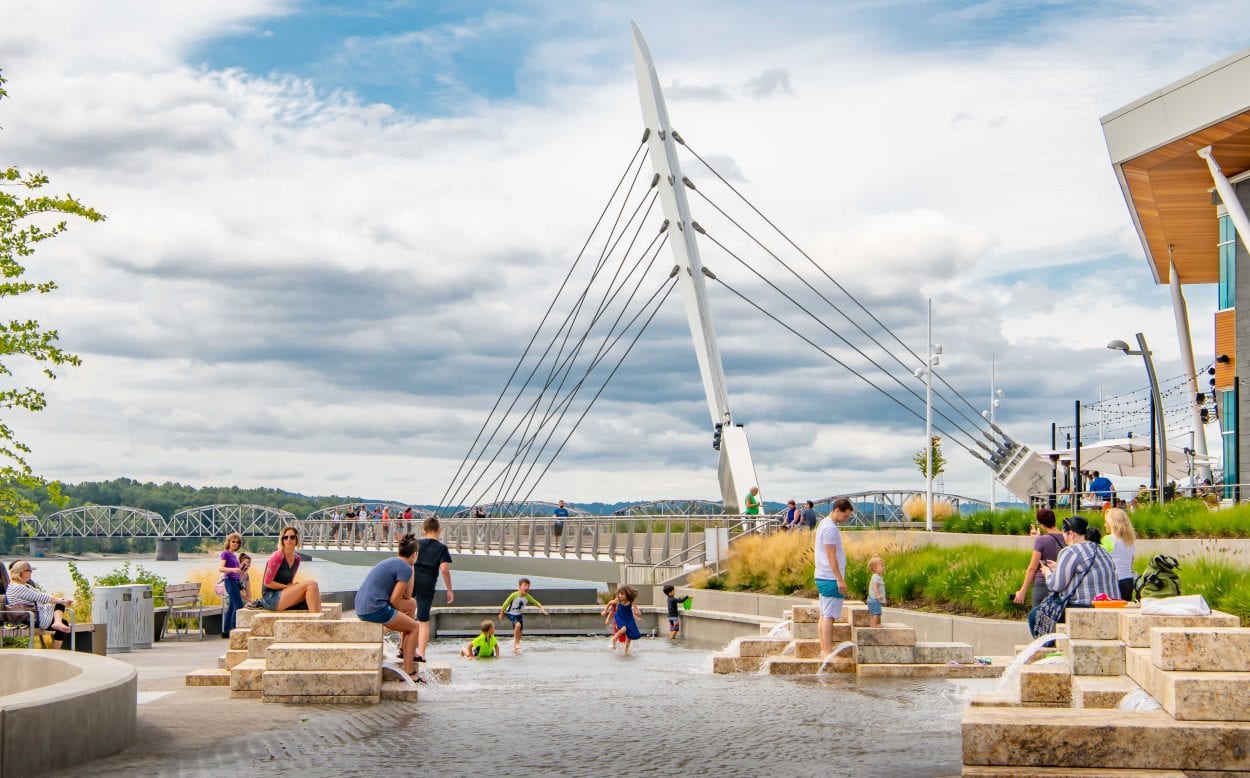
[[1047, 543]]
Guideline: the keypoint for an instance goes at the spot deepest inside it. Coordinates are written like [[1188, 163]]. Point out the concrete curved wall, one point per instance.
[[66, 708]]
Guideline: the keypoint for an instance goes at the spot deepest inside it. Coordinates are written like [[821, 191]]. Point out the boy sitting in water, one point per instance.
[[514, 607], [485, 645], [674, 622]]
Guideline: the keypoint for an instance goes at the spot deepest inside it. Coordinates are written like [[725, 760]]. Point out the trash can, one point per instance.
[[112, 606], [141, 615]]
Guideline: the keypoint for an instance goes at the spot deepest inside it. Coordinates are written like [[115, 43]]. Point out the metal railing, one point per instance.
[[637, 540], [1216, 495]]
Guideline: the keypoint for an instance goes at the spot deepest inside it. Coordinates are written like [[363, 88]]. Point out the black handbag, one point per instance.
[[1049, 612]]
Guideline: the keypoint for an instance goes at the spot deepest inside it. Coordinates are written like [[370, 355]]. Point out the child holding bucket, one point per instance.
[[674, 623]]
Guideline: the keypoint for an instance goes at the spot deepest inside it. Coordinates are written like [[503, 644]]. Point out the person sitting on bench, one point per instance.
[[49, 610]]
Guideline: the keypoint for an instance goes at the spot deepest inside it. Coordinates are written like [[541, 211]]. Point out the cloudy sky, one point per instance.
[[333, 226]]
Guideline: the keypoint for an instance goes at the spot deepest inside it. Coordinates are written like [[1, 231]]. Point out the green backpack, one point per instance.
[[1160, 578]]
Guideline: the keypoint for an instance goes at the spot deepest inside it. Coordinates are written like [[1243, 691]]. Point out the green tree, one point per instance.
[[27, 218], [939, 461]]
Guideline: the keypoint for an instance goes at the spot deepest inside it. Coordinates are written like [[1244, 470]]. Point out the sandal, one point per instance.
[[418, 658]]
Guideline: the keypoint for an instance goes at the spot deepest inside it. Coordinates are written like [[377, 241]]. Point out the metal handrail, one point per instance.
[[1237, 493]]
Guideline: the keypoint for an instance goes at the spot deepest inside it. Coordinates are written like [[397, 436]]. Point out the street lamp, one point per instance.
[[926, 373], [1156, 399], [996, 396]]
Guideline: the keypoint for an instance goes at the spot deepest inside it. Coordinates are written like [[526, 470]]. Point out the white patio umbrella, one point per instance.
[[1129, 457]]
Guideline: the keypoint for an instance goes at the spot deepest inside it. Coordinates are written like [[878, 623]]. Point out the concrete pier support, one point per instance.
[[167, 549], [40, 547]]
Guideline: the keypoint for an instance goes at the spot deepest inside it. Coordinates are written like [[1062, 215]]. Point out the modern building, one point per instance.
[[1182, 156]]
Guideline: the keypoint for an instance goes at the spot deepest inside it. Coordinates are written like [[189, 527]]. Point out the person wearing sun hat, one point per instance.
[[49, 610]]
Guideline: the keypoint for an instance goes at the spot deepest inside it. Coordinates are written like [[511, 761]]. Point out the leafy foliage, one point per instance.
[[1176, 519], [27, 218], [939, 460]]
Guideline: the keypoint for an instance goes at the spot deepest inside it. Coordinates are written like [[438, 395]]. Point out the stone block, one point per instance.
[[242, 694], [331, 610], [941, 653], [805, 631], [323, 699], [246, 675], [321, 683], [1218, 649], [1192, 696], [805, 614], [1096, 692], [233, 658], [784, 665], [1135, 627], [1096, 657], [398, 691], [930, 671], [858, 617], [810, 649], [1093, 623], [886, 655], [214, 677], [1046, 683], [885, 635], [243, 618], [1076, 772], [263, 622], [323, 656], [256, 647], [221, 662], [328, 631], [1093, 738], [439, 671], [767, 627], [238, 639], [762, 646]]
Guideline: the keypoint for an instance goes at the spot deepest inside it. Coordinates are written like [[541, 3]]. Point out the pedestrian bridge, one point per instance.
[[613, 549]]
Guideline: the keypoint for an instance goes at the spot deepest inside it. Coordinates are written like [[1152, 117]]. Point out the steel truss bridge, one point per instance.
[[885, 507], [115, 521]]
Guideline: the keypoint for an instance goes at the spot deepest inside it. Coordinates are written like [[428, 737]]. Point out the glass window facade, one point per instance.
[[1228, 263], [1228, 436]]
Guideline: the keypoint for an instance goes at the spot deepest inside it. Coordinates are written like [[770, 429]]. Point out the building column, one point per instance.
[[1181, 311], [1228, 195]]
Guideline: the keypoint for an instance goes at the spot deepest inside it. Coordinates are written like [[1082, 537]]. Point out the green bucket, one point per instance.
[[688, 603]]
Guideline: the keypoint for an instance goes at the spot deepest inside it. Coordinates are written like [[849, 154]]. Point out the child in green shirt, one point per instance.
[[485, 645], [514, 608]]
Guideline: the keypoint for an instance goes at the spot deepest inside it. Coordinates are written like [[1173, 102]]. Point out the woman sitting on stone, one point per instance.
[[1084, 570], [49, 610], [281, 592], [1047, 543], [385, 597]]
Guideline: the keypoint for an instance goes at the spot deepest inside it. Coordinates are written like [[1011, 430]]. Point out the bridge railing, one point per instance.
[[642, 540]]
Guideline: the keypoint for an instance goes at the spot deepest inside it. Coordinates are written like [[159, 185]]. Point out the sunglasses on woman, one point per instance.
[[290, 537]]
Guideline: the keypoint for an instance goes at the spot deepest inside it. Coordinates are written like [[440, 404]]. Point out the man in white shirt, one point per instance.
[[830, 556]]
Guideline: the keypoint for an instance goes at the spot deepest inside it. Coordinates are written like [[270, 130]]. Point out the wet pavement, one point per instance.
[[566, 706]]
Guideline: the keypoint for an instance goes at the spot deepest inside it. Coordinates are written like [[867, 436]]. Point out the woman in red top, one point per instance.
[[281, 591]]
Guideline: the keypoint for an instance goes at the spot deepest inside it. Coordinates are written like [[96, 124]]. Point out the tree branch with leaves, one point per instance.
[[939, 461]]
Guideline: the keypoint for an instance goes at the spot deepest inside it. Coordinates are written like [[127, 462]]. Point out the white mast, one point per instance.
[[737, 470]]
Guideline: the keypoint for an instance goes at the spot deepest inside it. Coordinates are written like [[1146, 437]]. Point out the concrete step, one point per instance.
[[1068, 772], [768, 627], [804, 631], [1096, 692], [723, 664], [439, 671], [262, 625], [246, 675], [885, 655], [931, 653], [324, 656], [322, 683], [1218, 649], [1046, 683], [256, 647], [331, 610], [398, 691], [856, 617], [1093, 623], [784, 665], [238, 639], [213, 677], [805, 614], [233, 658], [329, 631], [319, 699], [810, 649], [762, 646], [1193, 696], [934, 671], [885, 635], [1135, 627], [1096, 657]]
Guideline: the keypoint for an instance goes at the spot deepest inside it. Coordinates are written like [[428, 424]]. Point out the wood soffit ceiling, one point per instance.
[[1170, 187]]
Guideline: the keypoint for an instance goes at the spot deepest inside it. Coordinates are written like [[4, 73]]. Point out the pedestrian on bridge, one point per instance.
[[559, 514]]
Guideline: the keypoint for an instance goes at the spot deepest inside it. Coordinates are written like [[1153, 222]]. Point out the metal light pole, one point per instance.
[[1156, 403], [926, 373], [996, 396]]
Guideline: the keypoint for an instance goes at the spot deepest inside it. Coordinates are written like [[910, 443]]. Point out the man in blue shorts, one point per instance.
[[830, 555]]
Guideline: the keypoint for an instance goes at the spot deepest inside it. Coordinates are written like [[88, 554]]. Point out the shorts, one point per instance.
[[874, 606], [831, 598], [379, 616], [674, 624], [270, 598], [423, 593], [517, 619]]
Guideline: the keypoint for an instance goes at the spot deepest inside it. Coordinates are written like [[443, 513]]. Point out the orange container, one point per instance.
[[1109, 603]]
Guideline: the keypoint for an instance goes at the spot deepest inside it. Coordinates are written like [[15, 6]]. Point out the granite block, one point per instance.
[[245, 694], [784, 665], [246, 675], [256, 647], [885, 635], [930, 671], [767, 627], [1096, 657], [1096, 692], [398, 691], [804, 631], [323, 699], [439, 671], [214, 677], [1193, 696], [1092, 738], [1218, 649], [1075, 772], [243, 618], [886, 655], [762, 646], [810, 649], [724, 664], [329, 631], [321, 683], [940, 653], [331, 610], [263, 622], [324, 656], [805, 614], [238, 639], [1135, 627], [1093, 623], [1046, 683], [233, 658], [858, 617]]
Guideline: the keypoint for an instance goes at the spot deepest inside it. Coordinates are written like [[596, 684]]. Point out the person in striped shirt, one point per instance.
[[1083, 570]]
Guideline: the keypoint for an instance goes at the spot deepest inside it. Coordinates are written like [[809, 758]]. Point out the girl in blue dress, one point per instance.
[[623, 613]]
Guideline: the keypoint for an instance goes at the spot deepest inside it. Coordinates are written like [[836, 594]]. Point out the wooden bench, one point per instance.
[[20, 622], [183, 600]]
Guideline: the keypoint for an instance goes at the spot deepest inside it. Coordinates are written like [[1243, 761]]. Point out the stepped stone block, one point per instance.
[[1074, 772], [1093, 623], [221, 662], [322, 699], [930, 671], [857, 617], [805, 631], [1061, 645], [1135, 627], [238, 694], [263, 622], [1096, 657], [233, 658], [214, 677], [398, 691], [323, 656], [805, 614], [1091, 738], [246, 675], [439, 671], [810, 649], [941, 653], [886, 655], [256, 647], [1193, 696], [762, 646], [243, 618], [322, 683], [328, 631], [1220, 649], [784, 665], [331, 610], [768, 627], [1095, 692], [1046, 683], [238, 639], [885, 635]]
